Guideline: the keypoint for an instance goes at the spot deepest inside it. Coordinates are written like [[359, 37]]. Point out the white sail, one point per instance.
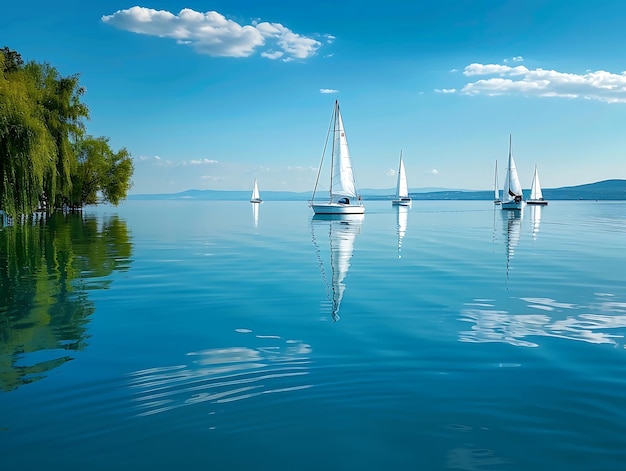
[[535, 190], [343, 177], [255, 198], [512, 197], [402, 188], [342, 233]]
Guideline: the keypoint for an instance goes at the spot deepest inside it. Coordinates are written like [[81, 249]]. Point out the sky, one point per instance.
[[215, 94]]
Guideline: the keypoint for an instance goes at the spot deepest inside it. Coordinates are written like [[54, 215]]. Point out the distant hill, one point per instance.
[[603, 190]]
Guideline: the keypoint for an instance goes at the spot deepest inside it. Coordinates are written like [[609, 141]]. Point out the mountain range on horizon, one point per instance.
[[614, 189]]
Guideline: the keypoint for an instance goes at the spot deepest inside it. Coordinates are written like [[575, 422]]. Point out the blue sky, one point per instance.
[[211, 95]]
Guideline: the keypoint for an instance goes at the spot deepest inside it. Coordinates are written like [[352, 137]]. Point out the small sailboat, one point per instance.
[[496, 188], [536, 195], [335, 253], [255, 198], [402, 189], [512, 196], [343, 197]]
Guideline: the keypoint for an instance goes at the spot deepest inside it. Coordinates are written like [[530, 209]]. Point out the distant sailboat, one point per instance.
[[343, 197], [402, 189], [341, 231], [255, 198], [512, 197], [496, 188], [536, 195]]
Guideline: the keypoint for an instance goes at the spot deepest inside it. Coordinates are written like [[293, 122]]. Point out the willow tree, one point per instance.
[[64, 115], [27, 151]]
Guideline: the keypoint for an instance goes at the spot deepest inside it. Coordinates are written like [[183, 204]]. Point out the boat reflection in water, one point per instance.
[[403, 218], [255, 215], [513, 224], [333, 237], [535, 215]]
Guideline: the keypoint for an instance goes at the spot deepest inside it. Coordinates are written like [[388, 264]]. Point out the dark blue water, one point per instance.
[[199, 335]]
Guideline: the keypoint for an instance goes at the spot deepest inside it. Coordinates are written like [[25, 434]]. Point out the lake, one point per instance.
[[223, 335]]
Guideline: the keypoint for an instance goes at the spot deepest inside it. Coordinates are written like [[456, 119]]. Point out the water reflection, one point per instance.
[[47, 266], [535, 216], [255, 214], [602, 322], [402, 213], [513, 228], [336, 252], [221, 375]]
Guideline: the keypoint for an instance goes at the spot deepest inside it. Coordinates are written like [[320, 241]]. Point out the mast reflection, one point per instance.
[[335, 252]]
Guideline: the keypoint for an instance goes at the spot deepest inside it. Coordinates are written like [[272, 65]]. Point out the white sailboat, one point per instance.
[[402, 189], [341, 231], [536, 195], [512, 196], [343, 197], [496, 188], [255, 198]]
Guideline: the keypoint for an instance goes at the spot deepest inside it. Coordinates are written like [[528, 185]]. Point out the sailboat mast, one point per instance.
[[332, 151]]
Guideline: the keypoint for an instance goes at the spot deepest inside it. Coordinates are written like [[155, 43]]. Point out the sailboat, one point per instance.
[[255, 198], [536, 195], [512, 197], [343, 197], [341, 231], [402, 189], [496, 188]]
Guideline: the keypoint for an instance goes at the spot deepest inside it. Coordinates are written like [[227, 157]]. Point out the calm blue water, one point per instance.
[[198, 335]]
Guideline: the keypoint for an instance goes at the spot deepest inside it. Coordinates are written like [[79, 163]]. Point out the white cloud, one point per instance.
[[445, 90], [432, 171], [212, 34], [519, 80], [328, 90], [390, 173], [201, 161]]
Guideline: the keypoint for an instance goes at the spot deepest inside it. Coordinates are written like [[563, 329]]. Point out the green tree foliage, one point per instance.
[[99, 172], [42, 142]]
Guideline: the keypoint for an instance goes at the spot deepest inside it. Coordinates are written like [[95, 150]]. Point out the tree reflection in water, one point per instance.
[[47, 266]]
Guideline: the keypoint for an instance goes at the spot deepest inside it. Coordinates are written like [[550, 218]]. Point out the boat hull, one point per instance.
[[513, 205], [402, 202], [337, 208], [256, 200], [542, 202]]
